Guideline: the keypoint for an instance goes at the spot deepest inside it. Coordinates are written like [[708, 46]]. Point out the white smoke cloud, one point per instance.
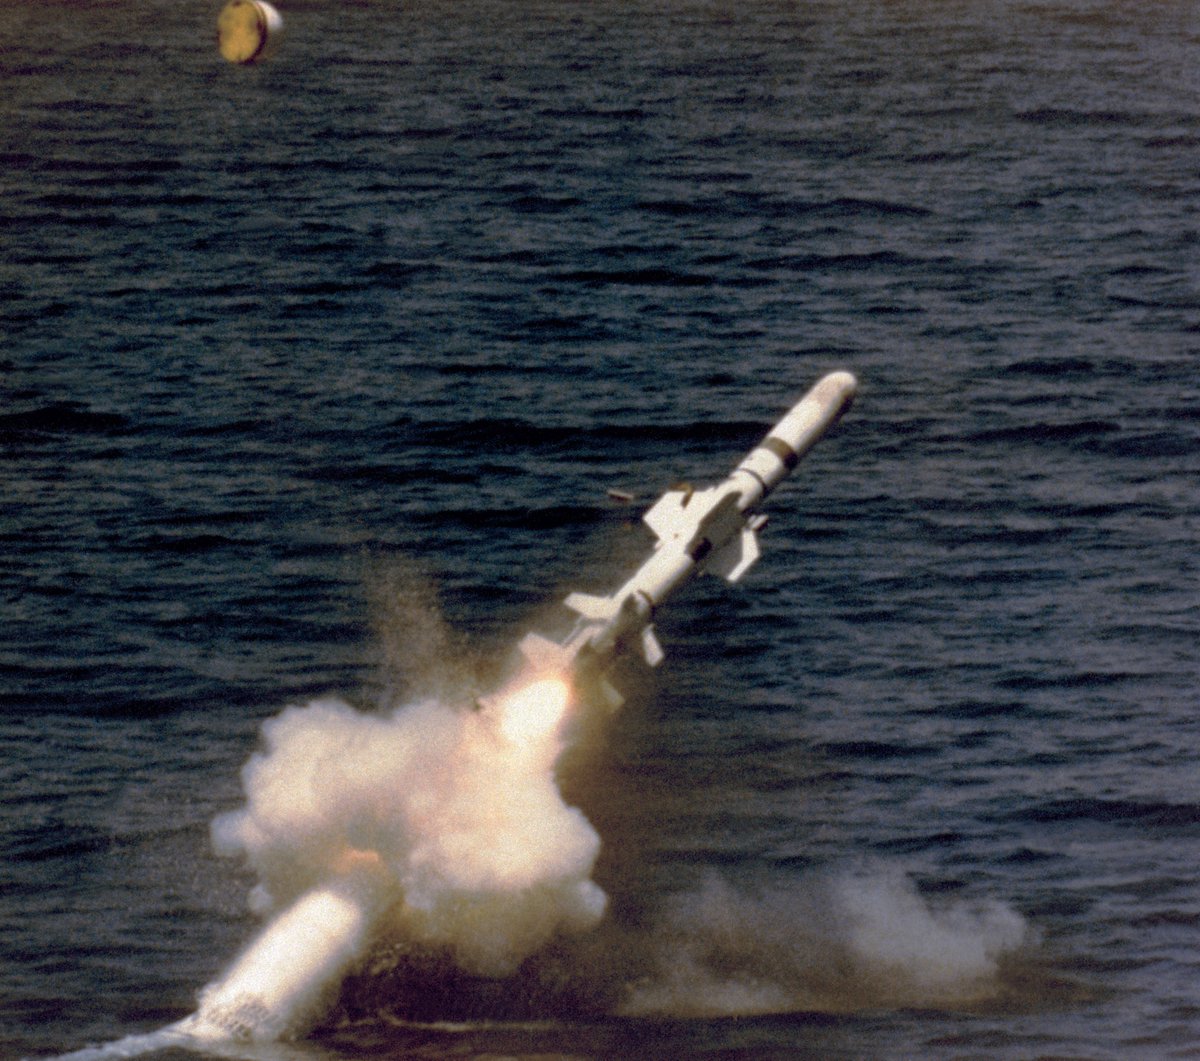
[[478, 850], [828, 943], [440, 826]]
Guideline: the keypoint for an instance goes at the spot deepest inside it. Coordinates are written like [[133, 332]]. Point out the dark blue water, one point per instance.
[[314, 376]]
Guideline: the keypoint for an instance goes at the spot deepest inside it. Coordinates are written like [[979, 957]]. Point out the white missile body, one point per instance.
[[715, 529]]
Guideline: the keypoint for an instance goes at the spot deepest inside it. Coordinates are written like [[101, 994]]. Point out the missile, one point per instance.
[[714, 529]]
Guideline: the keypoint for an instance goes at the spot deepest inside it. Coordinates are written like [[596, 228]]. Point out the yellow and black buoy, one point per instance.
[[248, 30]]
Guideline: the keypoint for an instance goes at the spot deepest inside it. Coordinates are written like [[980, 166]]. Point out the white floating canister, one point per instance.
[[248, 30]]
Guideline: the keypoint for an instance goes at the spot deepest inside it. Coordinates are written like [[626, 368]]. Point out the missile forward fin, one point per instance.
[[736, 557]]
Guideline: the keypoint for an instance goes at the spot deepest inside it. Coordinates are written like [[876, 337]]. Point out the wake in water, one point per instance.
[[839, 940]]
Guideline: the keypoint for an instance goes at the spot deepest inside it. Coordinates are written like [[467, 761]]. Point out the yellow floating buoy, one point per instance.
[[248, 30]]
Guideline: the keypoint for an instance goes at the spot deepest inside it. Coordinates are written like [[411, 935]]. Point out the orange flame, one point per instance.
[[533, 712]]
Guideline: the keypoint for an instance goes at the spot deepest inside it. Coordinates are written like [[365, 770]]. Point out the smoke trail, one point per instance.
[[443, 825], [420, 655], [831, 943]]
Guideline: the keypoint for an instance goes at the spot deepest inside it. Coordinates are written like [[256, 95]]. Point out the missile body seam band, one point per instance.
[[715, 529]]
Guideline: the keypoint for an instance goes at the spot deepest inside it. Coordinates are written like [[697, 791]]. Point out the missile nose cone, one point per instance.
[[817, 411], [838, 388]]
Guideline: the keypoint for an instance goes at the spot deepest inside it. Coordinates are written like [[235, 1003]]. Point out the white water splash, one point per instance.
[[830, 943]]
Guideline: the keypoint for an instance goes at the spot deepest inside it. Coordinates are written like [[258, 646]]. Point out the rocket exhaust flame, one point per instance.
[[533, 712]]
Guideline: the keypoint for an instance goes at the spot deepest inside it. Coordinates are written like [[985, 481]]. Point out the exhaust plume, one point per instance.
[[440, 824]]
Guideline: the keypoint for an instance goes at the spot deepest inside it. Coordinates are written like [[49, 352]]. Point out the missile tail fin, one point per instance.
[[651, 649], [736, 557], [543, 654], [590, 607], [612, 698]]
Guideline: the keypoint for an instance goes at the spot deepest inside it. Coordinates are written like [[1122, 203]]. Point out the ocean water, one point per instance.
[[314, 379]]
